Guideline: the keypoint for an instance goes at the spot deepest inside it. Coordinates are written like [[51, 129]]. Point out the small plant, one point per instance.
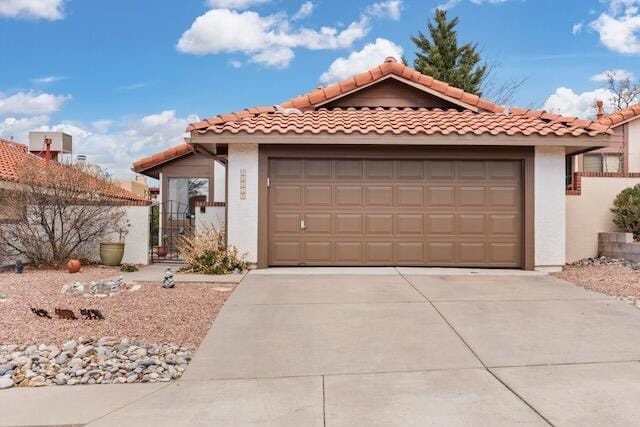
[[205, 252], [128, 268], [626, 211]]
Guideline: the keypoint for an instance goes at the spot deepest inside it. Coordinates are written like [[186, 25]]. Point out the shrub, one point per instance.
[[128, 268], [205, 252], [626, 211]]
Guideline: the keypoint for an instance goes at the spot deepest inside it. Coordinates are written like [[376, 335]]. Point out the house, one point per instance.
[[14, 156], [390, 167], [595, 178]]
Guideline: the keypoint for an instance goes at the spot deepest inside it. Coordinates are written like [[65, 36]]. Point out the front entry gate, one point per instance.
[[169, 222]]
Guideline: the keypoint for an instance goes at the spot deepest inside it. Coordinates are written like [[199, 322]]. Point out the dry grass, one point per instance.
[[615, 280], [182, 315]]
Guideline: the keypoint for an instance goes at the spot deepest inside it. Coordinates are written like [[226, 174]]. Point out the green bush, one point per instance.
[[205, 252], [626, 211], [129, 268]]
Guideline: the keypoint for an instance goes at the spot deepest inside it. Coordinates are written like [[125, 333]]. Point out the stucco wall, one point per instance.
[[243, 213], [589, 214], [634, 146], [549, 193], [219, 184], [136, 249], [212, 216]]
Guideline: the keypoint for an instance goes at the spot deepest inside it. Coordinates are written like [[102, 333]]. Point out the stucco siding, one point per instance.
[[549, 189], [634, 146], [589, 214], [219, 182], [136, 249], [243, 212]]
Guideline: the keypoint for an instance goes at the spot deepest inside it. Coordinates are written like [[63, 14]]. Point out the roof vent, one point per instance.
[[600, 107], [390, 59]]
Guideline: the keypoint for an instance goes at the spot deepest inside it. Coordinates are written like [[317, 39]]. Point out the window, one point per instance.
[[603, 162], [185, 192]]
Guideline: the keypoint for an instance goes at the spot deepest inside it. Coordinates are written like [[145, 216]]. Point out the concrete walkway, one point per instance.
[[387, 349]]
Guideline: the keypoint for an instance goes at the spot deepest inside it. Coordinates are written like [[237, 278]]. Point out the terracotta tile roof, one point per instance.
[[410, 121], [162, 157], [324, 94], [621, 116], [13, 154]]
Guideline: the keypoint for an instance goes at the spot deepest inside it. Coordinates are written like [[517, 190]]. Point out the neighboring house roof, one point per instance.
[[13, 154], [310, 114], [164, 156], [620, 117]]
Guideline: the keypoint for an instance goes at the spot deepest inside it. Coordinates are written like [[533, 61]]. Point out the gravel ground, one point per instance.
[[615, 280], [180, 316]]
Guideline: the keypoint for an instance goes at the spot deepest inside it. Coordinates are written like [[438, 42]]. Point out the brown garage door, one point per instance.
[[395, 212]]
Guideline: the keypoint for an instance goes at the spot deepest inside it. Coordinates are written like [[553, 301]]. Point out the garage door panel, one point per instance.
[[286, 169], [471, 197], [471, 253], [348, 252], [503, 197], [441, 197], [395, 212], [319, 223], [317, 195], [379, 169], [318, 252], [410, 253], [348, 169], [410, 224], [441, 253], [441, 170], [441, 224], [318, 169], [348, 223], [410, 196], [285, 252], [285, 223], [287, 195], [348, 196], [410, 169], [379, 223], [379, 252], [379, 196], [471, 224]]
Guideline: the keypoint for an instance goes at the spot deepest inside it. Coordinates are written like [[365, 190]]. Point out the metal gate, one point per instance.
[[168, 222]]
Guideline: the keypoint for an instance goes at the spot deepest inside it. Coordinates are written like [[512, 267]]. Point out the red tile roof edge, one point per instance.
[[162, 157], [620, 117], [13, 152]]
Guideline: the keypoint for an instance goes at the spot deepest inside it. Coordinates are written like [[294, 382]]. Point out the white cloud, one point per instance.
[[566, 102], [133, 86], [371, 55], [46, 79], [234, 4], [235, 63], [618, 75], [619, 25], [31, 103], [390, 9], [32, 9], [304, 12], [271, 40], [577, 28], [17, 128]]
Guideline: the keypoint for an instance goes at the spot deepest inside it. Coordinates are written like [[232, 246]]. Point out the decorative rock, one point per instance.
[[70, 345], [6, 382], [85, 350], [6, 368], [107, 341]]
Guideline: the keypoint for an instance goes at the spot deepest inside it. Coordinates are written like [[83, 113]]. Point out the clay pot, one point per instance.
[[73, 266], [111, 253], [162, 251]]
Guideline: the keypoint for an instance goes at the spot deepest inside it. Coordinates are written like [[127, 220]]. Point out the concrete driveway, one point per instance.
[[404, 347]]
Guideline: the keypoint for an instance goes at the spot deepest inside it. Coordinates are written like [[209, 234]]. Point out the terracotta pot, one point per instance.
[[73, 266], [162, 251], [111, 253]]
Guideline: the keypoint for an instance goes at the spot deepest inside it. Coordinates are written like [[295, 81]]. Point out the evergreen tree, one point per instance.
[[440, 57]]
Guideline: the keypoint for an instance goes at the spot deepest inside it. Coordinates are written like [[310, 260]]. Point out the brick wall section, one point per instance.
[[619, 246], [575, 189]]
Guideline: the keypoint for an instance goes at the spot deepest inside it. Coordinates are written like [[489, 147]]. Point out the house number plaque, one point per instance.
[[243, 184]]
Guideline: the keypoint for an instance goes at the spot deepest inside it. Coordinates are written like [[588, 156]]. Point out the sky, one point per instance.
[[124, 77]]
